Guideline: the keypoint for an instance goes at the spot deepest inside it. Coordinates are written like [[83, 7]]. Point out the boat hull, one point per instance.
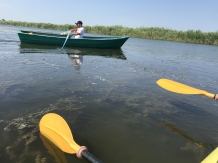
[[58, 39]]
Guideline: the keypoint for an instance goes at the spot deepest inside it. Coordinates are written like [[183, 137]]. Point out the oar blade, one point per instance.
[[212, 157], [55, 128], [176, 87]]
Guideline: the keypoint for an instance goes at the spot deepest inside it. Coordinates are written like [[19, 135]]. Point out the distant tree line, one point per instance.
[[190, 36]]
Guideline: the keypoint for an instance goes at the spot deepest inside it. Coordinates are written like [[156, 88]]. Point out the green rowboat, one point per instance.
[[58, 39]]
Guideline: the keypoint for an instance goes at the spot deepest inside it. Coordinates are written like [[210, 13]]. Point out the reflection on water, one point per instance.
[[33, 48], [54, 150], [77, 60]]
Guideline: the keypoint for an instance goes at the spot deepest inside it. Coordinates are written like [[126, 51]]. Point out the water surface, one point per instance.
[[109, 98]]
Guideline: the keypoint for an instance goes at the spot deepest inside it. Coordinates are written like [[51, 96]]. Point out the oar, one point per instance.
[[56, 129], [177, 87], [66, 40], [212, 157]]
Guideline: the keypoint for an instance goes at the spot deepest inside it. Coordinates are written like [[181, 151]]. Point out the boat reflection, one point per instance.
[[53, 150], [35, 48]]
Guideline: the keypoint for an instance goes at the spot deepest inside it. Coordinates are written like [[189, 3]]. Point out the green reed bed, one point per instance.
[[156, 33]]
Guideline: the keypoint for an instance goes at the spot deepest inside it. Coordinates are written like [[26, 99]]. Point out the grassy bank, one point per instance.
[[190, 36]]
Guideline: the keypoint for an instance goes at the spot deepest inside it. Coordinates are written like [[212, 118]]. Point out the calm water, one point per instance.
[[110, 100]]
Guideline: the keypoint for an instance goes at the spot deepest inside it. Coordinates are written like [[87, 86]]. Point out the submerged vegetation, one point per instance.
[[190, 36]]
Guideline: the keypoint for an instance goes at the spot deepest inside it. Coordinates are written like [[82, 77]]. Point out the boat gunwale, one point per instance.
[[62, 36]]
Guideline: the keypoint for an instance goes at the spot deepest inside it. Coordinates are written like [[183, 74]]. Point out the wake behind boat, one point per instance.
[[35, 37]]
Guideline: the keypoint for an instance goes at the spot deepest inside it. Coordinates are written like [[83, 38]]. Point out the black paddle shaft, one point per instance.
[[89, 157]]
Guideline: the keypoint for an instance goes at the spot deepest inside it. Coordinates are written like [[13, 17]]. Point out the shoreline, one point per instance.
[[154, 33]]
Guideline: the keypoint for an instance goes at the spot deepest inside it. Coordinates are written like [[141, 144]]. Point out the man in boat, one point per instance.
[[79, 31]]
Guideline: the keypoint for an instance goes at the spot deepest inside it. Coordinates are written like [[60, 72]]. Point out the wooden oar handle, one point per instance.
[[83, 153]]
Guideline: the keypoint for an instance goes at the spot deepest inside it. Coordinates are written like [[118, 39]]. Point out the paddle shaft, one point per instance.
[[89, 157], [66, 40]]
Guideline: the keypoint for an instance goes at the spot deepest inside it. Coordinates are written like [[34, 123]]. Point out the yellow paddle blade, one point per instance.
[[212, 157], [176, 87], [56, 129]]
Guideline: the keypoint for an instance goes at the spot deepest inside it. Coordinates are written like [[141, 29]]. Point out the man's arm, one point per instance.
[[74, 32]]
